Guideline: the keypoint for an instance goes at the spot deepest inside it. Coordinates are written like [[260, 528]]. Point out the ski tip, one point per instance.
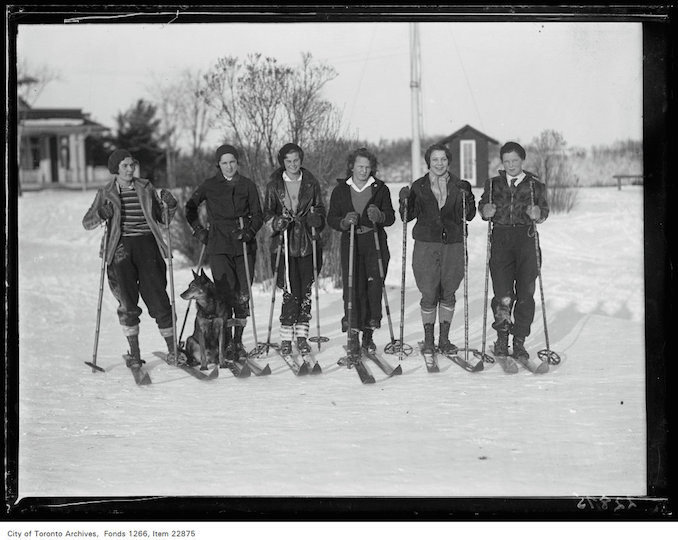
[[542, 368], [398, 370]]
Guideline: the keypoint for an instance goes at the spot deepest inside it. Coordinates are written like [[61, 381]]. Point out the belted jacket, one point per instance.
[[299, 233]]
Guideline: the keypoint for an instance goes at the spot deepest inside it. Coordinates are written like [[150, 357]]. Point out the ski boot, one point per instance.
[[501, 345], [368, 342], [429, 345], [285, 347], [132, 361], [444, 344], [302, 346], [519, 352]]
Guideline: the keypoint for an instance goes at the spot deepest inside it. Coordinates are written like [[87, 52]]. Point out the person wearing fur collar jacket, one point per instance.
[[293, 209]]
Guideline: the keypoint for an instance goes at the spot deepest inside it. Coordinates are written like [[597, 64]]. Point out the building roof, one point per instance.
[[465, 131], [54, 117]]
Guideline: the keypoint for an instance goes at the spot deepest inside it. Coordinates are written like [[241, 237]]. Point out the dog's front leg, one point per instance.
[[203, 349], [221, 346]]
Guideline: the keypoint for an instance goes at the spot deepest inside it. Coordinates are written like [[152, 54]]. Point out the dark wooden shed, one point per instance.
[[471, 151]]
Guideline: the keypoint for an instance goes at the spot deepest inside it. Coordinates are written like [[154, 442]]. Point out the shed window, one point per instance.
[[468, 160]]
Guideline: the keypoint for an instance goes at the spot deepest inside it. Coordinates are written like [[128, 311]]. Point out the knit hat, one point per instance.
[[115, 158], [225, 149], [288, 149]]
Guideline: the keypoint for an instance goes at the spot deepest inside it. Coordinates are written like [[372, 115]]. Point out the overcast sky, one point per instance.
[[510, 80]]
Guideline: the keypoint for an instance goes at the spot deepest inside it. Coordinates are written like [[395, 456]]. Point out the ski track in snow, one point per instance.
[[578, 430]]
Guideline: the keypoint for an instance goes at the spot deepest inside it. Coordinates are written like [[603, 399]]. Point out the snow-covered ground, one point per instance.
[[578, 430]]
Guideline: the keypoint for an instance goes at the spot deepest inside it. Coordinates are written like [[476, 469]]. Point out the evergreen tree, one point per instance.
[[137, 131]]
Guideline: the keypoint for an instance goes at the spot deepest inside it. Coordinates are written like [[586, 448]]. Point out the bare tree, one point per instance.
[[32, 80], [166, 97], [195, 116], [548, 158], [305, 109]]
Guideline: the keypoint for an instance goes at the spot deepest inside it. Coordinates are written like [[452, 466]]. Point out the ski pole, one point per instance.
[[465, 246], [257, 348], [319, 339], [391, 346], [93, 363], [188, 308], [403, 348], [545, 354], [171, 275], [482, 355], [275, 286], [349, 303]]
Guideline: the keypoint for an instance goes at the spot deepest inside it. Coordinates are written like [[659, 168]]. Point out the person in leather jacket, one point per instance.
[[294, 208]]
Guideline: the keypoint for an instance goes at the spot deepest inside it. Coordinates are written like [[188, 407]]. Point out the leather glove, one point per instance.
[[375, 215], [167, 197], [201, 234], [404, 194], [534, 212], [314, 220], [243, 235], [105, 211], [488, 210], [349, 219], [280, 223]]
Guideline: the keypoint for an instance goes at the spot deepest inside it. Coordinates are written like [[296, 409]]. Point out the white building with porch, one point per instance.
[[52, 148]]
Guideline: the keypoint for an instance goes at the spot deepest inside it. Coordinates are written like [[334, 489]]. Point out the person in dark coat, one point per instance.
[[136, 250], [513, 200], [435, 201], [293, 206], [229, 196], [364, 201]]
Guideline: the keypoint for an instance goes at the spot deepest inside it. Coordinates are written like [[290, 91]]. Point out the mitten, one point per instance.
[[314, 220], [488, 210], [105, 211], [201, 234], [349, 219], [534, 212], [167, 197], [280, 223], [375, 215]]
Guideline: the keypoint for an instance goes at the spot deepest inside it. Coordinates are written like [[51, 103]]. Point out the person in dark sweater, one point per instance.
[[364, 201], [136, 250], [292, 206], [228, 197], [513, 201], [435, 201]]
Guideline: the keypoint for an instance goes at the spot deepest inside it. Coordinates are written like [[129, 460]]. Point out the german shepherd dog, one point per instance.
[[208, 340]]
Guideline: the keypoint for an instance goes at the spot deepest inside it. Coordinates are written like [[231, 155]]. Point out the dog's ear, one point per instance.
[[202, 273], [195, 276]]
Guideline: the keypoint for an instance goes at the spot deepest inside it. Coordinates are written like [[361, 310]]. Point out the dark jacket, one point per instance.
[[151, 206], [299, 235], [341, 204], [226, 202], [511, 207], [435, 224]]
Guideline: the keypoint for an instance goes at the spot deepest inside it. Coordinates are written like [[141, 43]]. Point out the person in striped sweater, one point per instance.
[[134, 213]]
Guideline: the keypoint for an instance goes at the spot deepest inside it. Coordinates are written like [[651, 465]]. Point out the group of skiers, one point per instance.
[[294, 213]]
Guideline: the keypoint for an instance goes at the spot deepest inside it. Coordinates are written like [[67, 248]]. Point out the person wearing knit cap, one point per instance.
[[135, 253], [293, 207], [435, 201], [228, 196], [514, 200], [364, 201]]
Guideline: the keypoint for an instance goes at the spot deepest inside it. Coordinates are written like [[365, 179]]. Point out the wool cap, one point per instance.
[[288, 149], [115, 158], [226, 149]]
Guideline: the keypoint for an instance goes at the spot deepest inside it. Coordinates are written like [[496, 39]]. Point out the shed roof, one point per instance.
[[465, 131]]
